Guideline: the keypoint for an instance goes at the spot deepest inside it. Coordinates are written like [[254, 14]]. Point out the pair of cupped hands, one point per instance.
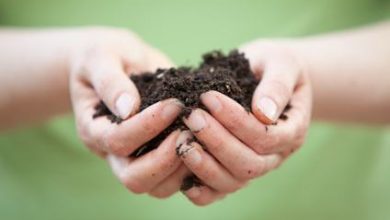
[[232, 146]]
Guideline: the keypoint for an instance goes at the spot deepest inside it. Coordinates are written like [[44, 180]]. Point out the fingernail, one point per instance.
[[193, 192], [192, 156], [183, 137], [196, 121], [125, 105], [183, 149], [268, 107], [171, 109], [211, 102]]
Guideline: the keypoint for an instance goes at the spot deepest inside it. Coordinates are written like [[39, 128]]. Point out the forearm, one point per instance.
[[33, 74], [350, 74]]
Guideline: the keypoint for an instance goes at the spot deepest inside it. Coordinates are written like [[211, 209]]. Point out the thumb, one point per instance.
[[280, 73], [113, 86]]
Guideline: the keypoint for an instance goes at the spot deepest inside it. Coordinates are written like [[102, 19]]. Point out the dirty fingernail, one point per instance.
[[192, 156], [268, 107], [183, 149], [171, 109], [184, 136], [196, 121], [125, 105], [211, 101]]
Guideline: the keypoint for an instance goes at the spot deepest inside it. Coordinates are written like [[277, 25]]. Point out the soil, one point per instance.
[[229, 74], [189, 182]]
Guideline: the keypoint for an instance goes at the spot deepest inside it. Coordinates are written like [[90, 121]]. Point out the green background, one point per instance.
[[342, 172]]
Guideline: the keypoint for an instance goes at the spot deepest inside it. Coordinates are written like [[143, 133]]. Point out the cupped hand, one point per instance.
[[100, 66], [235, 146]]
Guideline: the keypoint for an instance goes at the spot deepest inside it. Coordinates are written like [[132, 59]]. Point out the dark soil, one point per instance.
[[230, 75], [189, 182]]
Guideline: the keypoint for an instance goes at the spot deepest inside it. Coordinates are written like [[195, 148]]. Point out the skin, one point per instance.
[[239, 148], [75, 68]]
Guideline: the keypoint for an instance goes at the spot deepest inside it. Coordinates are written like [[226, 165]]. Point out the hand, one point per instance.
[[100, 66], [235, 146]]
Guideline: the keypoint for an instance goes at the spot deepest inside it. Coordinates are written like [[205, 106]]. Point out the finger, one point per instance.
[[244, 125], [143, 174], [125, 138], [292, 131], [171, 184], [207, 169], [280, 72], [203, 195], [241, 123], [239, 159], [106, 74]]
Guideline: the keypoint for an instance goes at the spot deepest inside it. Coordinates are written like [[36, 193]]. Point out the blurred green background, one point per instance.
[[342, 172]]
